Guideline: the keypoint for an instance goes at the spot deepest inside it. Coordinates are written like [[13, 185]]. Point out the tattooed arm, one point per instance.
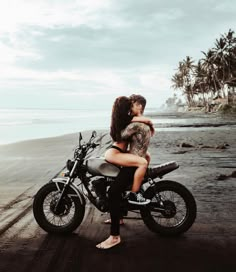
[[138, 135], [144, 120]]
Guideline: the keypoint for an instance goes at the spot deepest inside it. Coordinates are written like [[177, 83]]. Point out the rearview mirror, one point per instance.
[[80, 138], [94, 134]]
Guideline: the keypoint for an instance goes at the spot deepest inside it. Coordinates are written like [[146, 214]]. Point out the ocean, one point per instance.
[[24, 124]]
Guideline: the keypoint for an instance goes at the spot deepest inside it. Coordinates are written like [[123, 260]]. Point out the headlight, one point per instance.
[[70, 164]]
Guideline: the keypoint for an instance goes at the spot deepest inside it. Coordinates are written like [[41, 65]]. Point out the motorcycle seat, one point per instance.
[[162, 169]]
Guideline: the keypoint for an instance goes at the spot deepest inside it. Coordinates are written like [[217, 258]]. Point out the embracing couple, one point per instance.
[[131, 133]]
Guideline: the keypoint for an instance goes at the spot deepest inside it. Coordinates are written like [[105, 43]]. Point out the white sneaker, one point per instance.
[[137, 199]]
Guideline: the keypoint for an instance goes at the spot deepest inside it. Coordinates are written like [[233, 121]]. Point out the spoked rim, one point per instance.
[[174, 210], [67, 211]]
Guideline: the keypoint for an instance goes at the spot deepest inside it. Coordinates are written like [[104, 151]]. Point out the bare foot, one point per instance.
[[108, 221], [110, 242]]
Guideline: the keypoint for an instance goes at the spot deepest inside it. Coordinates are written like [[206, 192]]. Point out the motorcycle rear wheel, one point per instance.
[[178, 204], [66, 219]]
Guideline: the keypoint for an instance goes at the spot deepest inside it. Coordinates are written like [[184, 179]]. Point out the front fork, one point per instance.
[[57, 206], [65, 187]]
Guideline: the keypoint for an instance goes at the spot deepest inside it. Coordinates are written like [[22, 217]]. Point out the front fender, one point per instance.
[[74, 192]]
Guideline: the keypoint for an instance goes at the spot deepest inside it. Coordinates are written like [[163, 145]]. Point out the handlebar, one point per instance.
[[95, 145], [82, 150]]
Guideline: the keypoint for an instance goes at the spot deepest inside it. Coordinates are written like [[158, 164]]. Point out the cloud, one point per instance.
[[103, 47], [224, 7], [11, 72], [10, 54], [106, 33], [49, 14], [90, 83], [66, 83]]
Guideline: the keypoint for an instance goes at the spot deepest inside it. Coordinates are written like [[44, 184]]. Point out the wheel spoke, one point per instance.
[[67, 213], [176, 202]]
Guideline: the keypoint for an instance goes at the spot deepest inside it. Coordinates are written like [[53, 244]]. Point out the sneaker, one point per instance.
[[138, 199]]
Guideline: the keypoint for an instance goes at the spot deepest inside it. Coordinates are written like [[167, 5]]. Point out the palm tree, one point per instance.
[[231, 57], [177, 78], [220, 59], [213, 73], [200, 86], [187, 74], [182, 79], [177, 81], [211, 69]]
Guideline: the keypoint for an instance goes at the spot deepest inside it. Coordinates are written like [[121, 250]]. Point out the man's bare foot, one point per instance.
[[110, 242], [108, 221]]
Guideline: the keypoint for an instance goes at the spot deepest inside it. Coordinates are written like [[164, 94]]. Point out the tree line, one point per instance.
[[213, 76]]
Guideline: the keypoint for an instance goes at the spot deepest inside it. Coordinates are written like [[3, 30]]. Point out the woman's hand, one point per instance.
[[142, 119], [152, 130]]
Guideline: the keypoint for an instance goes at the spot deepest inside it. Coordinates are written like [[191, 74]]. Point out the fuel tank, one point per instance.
[[100, 167]]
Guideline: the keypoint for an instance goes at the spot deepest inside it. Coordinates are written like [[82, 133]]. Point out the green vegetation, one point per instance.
[[227, 109], [213, 79]]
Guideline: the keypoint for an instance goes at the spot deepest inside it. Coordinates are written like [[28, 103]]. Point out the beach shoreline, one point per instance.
[[162, 120]]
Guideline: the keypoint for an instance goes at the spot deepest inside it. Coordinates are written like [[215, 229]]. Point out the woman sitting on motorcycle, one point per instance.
[[123, 113], [126, 110]]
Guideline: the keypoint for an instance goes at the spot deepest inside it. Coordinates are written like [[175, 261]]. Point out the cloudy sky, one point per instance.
[[79, 54]]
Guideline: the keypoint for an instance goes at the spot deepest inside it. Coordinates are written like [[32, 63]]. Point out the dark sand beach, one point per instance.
[[207, 159]]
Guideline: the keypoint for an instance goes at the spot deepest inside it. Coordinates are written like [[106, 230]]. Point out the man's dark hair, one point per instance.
[[138, 98]]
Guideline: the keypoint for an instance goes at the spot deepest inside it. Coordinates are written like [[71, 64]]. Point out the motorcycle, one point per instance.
[[59, 206]]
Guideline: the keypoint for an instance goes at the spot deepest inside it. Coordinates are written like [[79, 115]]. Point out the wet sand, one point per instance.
[[205, 168]]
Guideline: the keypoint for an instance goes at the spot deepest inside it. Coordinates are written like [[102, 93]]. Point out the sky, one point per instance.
[[78, 54]]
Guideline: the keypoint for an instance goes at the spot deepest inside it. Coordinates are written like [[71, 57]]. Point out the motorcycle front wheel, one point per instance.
[[172, 210], [66, 218]]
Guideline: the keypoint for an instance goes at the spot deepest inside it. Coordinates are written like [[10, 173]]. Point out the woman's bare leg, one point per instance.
[[129, 160], [138, 177], [139, 174]]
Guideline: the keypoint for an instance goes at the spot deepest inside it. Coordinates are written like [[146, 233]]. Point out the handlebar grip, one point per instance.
[[95, 145]]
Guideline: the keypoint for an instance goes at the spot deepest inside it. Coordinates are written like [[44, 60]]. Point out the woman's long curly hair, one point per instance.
[[120, 117]]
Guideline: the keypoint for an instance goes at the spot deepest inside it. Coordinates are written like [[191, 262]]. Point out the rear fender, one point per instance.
[[74, 190]]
